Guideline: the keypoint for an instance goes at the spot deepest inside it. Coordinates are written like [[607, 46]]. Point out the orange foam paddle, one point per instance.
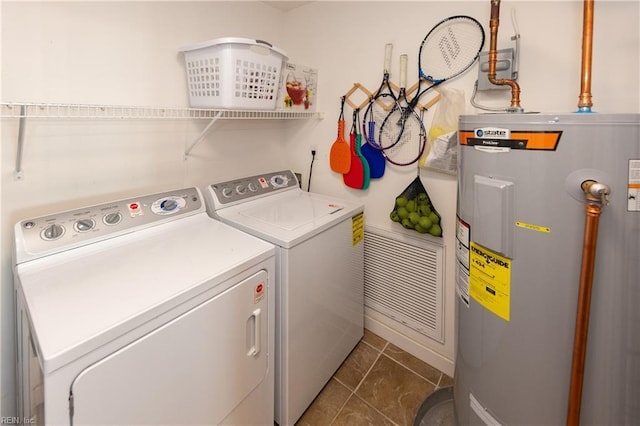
[[340, 155]]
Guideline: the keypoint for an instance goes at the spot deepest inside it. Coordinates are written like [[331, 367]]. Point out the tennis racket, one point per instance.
[[402, 131], [370, 149], [449, 49], [383, 100]]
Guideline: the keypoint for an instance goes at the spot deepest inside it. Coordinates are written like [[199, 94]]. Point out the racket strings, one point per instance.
[[375, 114], [410, 142], [392, 124], [450, 48], [400, 133]]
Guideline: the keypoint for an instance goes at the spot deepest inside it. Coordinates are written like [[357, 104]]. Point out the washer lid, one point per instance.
[[294, 213], [288, 218], [82, 299]]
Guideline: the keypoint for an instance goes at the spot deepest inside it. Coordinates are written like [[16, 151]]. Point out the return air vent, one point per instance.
[[403, 281]]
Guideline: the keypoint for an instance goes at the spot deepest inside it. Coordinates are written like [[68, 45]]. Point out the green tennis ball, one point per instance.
[[434, 217], [420, 229], [401, 201], [424, 210], [425, 222], [403, 213], [414, 217], [407, 223]]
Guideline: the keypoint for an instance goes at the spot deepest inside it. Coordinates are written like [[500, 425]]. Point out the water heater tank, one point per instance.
[[521, 219]]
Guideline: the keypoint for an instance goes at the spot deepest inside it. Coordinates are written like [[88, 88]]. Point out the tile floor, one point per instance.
[[378, 384]]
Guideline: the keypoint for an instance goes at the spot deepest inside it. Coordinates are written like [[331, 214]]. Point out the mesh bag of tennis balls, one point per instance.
[[413, 210]]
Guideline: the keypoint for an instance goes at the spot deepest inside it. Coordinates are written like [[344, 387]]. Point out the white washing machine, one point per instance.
[[143, 311], [319, 277]]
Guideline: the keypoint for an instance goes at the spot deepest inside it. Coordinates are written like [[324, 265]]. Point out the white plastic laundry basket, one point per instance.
[[233, 73]]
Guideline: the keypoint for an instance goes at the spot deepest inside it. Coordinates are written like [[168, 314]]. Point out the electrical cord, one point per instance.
[[313, 157]]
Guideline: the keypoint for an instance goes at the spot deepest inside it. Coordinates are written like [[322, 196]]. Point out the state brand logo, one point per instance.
[[492, 132]]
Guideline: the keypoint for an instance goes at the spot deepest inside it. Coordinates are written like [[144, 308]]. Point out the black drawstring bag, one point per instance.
[[413, 210]]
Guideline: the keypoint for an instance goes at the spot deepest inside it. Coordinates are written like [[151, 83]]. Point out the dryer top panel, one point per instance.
[[56, 232], [82, 298]]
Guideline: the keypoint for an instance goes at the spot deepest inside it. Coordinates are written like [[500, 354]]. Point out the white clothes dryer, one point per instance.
[[319, 277], [143, 311]]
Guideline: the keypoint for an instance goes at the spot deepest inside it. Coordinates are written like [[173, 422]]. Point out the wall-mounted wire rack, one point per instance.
[[54, 110], [24, 111]]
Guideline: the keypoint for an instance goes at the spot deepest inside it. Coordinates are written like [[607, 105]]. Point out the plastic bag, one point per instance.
[[441, 153], [413, 210]]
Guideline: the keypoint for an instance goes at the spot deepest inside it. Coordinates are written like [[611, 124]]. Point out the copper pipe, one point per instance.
[[593, 209], [493, 58], [585, 103]]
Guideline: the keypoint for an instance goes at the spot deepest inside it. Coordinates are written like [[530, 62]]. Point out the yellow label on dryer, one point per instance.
[[490, 280], [357, 229]]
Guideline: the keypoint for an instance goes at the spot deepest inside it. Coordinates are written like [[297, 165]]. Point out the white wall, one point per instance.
[[126, 53], [345, 40], [122, 53]]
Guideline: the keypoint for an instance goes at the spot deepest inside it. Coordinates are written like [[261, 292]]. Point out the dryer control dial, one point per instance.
[[168, 205], [112, 218], [84, 225], [52, 232]]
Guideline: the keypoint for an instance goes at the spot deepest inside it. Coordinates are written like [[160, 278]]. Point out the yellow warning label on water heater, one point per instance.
[[533, 227], [490, 280], [357, 229]]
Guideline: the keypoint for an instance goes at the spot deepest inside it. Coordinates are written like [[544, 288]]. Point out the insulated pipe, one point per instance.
[[585, 103], [596, 195], [493, 59]]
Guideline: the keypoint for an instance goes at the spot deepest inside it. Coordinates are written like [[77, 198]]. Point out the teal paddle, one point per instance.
[[366, 170]]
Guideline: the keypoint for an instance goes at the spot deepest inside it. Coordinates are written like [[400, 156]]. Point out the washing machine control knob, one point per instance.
[[112, 218], [241, 189], [84, 225], [52, 232], [252, 187]]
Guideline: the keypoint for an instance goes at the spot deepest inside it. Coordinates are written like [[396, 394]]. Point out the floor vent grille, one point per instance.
[[403, 281]]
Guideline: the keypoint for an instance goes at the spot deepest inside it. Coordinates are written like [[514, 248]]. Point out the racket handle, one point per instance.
[[372, 130], [403, 70], [387, 57], [341, 129]]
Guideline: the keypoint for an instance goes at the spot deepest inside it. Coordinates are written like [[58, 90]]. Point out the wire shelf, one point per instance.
[[81, 111], [23, 111]]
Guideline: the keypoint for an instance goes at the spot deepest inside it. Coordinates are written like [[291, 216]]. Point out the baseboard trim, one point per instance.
[[405, 343]]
